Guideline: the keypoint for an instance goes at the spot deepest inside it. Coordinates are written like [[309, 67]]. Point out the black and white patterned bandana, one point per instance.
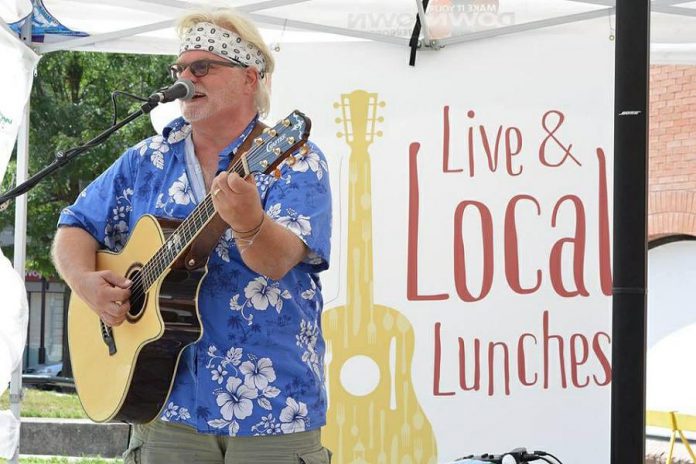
[[208, 37]]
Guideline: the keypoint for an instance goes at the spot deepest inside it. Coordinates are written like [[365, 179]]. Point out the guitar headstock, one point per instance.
[[359, 117], [276, 143]]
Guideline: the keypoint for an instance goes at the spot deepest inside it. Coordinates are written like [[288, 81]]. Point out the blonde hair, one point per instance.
[[234, 21]]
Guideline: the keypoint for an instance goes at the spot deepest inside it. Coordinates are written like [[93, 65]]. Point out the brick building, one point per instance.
[[672, 181], [672, 234]]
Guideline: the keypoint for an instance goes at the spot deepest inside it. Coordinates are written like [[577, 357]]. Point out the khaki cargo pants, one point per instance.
[[167, 443]]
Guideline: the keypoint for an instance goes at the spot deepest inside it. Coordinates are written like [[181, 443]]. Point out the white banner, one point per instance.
[[467, 306], [15, 87]]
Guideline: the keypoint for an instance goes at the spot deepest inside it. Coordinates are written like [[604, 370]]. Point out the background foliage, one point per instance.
[[70, 104]]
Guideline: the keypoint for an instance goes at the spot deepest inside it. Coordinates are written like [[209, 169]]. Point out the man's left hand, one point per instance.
[[237, 200]]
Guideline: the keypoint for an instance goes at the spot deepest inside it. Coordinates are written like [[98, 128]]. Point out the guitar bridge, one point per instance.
[[108, 338]]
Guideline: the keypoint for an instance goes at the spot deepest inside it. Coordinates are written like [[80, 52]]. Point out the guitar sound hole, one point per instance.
[[137, 298]]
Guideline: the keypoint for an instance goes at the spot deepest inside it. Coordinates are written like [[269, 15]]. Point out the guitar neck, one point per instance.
[[178, 242]]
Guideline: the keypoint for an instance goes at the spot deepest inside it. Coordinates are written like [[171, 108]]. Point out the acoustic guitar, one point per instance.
[[125, 373], [373, 414]]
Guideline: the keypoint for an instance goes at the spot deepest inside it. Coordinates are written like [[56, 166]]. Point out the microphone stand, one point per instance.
[[64, 157]]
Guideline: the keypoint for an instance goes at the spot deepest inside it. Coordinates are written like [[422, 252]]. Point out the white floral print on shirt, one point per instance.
[[297, 223], [307, 338], [116, 231], [310, 161], [293, 417], [181, 192], [235, 400], [260, 294], [158, 146], [175, 413]]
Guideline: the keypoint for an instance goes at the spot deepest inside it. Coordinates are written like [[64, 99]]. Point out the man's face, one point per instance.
[[218, 92]]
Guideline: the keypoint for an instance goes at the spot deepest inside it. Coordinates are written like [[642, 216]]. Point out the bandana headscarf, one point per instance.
[[215, 39]]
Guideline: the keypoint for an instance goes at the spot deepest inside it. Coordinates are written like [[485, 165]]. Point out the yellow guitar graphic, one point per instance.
[[373, 414]]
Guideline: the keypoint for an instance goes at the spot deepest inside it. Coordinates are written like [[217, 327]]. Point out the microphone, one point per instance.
[[180, 90]]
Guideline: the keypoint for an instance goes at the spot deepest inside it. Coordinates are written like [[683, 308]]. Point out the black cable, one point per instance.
[[116, 93], [544, 453], [546, 460], [413, 43]]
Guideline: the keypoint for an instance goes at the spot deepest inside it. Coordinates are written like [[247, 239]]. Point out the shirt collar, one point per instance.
[[179, 129]]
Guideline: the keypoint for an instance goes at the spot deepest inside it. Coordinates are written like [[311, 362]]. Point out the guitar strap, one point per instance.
[[196, 255]]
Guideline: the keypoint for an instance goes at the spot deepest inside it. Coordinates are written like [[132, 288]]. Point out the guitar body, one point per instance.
[[132, 383]]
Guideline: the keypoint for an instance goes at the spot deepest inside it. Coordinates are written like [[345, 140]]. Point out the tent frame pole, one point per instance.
[[20, 238], [70, 44], [515, 28], [376, 37], [427, 37]]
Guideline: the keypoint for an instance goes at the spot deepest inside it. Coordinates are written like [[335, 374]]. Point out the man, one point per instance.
[[252, 389]]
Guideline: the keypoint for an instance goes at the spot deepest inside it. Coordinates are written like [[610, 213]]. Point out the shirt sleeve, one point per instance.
[[103, 208], [300, 200]]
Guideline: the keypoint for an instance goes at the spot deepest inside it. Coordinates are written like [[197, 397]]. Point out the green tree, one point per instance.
[[70, 104]]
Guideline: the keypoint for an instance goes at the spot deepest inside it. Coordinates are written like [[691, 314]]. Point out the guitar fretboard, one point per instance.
[[181, 238]]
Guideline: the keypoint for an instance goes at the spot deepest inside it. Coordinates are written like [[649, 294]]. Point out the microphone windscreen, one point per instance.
[[186, 94]]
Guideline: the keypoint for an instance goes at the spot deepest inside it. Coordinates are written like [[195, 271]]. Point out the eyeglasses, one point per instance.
[[200, 68]]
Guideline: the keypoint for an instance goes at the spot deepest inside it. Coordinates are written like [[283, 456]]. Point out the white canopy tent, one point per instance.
[[144, 26]]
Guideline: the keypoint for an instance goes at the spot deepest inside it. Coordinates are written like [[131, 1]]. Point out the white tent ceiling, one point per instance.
[[143, 26]]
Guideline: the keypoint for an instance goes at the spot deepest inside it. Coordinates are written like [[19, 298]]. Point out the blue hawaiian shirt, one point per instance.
[[258, 368]]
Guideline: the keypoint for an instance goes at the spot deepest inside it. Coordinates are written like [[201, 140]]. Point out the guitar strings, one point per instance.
[[160, 261], [205, 209]]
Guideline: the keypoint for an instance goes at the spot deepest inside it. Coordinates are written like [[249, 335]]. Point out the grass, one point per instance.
[[40, 403]]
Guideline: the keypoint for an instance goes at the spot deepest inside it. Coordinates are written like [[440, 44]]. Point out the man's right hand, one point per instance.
[[107, 294]]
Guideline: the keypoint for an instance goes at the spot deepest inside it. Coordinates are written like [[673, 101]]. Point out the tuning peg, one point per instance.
[[336, 105], [290, 160], [304, 150], [272, 132], [291, 140], [266, 130], [382, 104], [339, 134], [276, 173], [286, 122], [380, 119], [379, 133], [339, 120], [258, 141]]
